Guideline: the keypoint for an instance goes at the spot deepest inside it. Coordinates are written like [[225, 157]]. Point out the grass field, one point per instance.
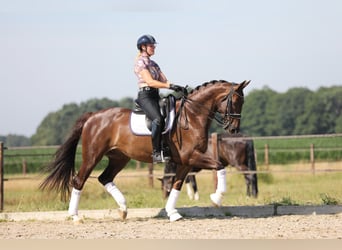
[[287, 184]]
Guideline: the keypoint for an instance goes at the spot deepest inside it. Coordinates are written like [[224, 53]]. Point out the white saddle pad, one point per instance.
[[138, 123]]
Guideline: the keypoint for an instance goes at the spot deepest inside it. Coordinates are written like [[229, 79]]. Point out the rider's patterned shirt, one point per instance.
[[144, 62]]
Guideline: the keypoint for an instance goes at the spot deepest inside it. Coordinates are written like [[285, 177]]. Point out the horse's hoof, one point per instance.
[[196, 197], [122, 214], [77, 220], [216, 199], [175, 217]]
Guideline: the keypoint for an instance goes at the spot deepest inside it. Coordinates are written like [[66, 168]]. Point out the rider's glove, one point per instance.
[[176, 88]]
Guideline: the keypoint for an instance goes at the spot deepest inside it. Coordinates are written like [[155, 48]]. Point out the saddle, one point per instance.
[[140, 124]]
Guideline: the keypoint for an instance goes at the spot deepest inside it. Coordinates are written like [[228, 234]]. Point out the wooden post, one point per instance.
[[138, 165], [266, 156], [150, 174], [312, 158], [24, 167], [214, 143], [1, 176]]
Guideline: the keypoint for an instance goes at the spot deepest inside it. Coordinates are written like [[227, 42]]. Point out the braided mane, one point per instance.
[[208, 83]]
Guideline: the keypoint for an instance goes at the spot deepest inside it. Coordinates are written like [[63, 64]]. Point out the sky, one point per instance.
[[54, 53]]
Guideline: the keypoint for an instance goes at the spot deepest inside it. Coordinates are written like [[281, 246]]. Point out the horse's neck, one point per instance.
[[210, 93], [203, 100]]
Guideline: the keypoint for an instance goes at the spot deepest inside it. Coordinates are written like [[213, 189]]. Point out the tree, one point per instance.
[[57, 125], [13, 140], [291, 106], [255, 117]]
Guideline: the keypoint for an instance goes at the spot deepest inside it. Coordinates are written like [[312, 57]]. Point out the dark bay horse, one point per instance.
[[108, 133], [235, 151]]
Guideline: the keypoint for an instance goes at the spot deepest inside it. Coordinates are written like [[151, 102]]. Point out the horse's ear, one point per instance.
[[243, 84]]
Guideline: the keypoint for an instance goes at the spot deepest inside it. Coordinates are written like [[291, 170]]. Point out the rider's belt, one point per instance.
[[147, 89]]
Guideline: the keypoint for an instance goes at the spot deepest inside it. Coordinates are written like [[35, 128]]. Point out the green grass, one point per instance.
[[284, 188]]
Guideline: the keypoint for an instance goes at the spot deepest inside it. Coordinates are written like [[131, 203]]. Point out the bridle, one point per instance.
[[224, 121], [228, 115]]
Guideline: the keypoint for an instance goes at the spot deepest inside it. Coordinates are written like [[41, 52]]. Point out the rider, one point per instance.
[[150, 80]]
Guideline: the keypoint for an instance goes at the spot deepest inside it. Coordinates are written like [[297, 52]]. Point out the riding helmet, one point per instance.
[[145, 39]]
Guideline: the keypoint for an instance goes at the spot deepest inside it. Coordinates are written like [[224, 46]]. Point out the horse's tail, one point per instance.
[[62, 168], [251, 163]]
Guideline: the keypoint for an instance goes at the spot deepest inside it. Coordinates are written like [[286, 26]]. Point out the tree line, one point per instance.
[[265, 112], [298, 111]]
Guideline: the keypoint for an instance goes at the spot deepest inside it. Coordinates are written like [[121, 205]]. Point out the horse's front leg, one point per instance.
[[170, 206], [206, 161], [221, 188]]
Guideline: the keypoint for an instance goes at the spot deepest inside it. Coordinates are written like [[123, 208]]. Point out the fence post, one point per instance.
[[1, 176], [24, 167], [214, 144], [137, 165], [312, 158], [266, 156]]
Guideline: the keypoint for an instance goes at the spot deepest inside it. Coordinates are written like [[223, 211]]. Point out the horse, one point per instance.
[[108, 133], [235, 151]]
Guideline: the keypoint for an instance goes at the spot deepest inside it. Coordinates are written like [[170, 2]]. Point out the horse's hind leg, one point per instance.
[[195, 188], [248, 184], [78, 183], [189, 189], [116, 163], [89, 160]]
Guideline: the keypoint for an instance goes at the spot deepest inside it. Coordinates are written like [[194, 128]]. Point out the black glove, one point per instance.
[[176, 88]]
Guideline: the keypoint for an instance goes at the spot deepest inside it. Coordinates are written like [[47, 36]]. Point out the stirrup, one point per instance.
[[166, 156], [157, 158], [166, 153]]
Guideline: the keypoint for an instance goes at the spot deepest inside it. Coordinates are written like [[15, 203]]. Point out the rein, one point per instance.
[[178, 117]]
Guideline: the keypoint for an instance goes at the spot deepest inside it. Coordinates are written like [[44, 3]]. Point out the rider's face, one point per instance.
[[150, 49]]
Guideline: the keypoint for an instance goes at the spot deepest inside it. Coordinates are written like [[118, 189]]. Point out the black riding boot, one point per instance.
[[166, 149], [156, 142]]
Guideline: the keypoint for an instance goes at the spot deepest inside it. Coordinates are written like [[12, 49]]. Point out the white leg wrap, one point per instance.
[[221, 181], [216, 197], [189, 191], [117, 195], [74, 201], [170, 207]]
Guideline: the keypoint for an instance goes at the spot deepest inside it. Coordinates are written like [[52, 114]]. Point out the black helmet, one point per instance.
[[145, 39]]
